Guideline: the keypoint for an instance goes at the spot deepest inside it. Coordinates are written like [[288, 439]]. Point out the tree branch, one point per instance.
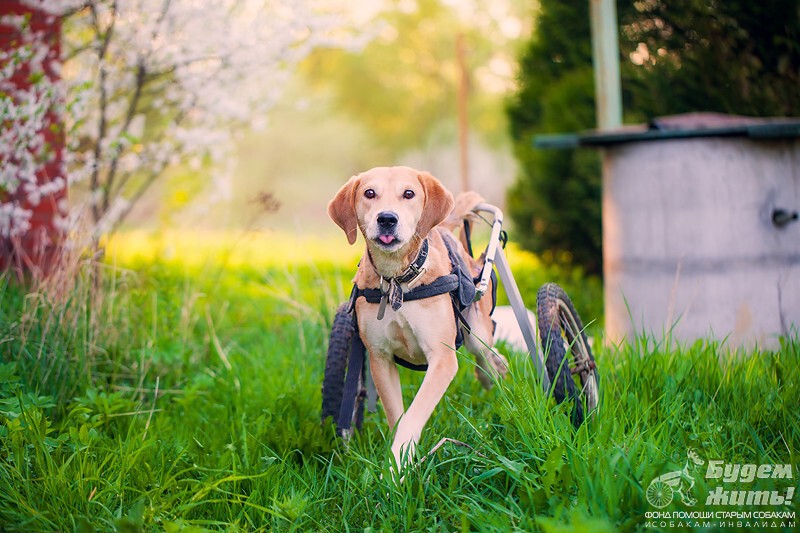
[[132, 106], [105, 40], [133, 200], [147, 182]]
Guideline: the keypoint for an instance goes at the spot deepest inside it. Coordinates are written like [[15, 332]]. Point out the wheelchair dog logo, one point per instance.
[[662, 490]]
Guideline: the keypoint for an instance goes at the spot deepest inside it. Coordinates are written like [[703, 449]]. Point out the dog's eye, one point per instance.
[[369, 193], [408, 194]]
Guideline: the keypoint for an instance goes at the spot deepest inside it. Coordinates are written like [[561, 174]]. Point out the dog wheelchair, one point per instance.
[[563, 360]]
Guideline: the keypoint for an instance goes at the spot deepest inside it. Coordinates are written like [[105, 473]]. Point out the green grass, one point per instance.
[[186, 398]]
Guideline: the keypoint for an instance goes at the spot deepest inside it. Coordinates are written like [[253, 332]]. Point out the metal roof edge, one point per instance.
[[592, 139]]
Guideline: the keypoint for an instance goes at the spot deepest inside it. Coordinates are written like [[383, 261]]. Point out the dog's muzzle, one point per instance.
[[387, 227]]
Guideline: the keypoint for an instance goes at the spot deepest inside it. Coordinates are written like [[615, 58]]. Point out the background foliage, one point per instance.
[[403, 85], [680, 56]]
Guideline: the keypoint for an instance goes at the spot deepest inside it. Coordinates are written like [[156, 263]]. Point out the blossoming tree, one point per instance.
[[31, 170], [144, 85]]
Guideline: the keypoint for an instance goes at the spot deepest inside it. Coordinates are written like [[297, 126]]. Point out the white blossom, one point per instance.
[[14, 221], [147, 84], [54, 7], [23, 119]]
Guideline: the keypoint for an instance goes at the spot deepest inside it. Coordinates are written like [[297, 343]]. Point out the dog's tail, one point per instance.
[[462, 214]]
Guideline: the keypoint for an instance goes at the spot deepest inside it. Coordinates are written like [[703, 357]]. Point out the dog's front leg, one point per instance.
[[442, 368], [387, 383]]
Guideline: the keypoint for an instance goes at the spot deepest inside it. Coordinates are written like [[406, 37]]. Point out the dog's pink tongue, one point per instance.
[[386, 239]]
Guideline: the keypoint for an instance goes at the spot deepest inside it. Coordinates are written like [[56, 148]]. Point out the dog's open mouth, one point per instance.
[[387, 242]]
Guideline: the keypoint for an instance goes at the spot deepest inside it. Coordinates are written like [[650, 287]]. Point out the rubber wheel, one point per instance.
[[336, 369], [569, 361]]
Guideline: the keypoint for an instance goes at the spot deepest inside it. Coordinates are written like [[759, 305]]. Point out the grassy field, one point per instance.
[[184, 395]]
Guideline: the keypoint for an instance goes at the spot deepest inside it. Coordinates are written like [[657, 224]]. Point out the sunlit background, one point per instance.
[[171, 305], [392, 101]]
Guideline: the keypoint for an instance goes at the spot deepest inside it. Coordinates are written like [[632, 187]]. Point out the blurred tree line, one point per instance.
[[734, 56], [403, 85]]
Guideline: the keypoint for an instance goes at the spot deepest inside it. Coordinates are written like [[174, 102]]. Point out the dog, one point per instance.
[[396, 209]]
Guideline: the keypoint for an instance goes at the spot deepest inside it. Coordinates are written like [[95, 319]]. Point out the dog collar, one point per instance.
[[392, 292], [417, 267]]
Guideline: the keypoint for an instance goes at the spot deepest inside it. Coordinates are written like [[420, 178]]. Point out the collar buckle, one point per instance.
[[418, 272]]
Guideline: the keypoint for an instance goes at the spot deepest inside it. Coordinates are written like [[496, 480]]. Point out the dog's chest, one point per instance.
[[412, 332]]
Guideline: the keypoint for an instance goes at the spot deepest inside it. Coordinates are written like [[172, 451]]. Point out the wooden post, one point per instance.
[[605, 52], [37, 248]]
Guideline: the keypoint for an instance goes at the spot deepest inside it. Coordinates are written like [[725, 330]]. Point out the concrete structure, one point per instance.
[[700, 230]]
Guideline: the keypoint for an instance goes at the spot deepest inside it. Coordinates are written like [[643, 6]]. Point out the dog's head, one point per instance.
[[391, 206]]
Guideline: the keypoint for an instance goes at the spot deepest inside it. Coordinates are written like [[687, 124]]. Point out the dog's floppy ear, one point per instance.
[[438, 204], [342, 209]]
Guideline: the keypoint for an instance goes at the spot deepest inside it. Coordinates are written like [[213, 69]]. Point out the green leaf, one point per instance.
[[8, 373]]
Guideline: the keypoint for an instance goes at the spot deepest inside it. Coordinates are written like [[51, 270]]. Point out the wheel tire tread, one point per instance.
[[549, 323], [336, 362]]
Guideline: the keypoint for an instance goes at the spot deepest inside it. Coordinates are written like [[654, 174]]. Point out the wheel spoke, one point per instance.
[[583, 365]]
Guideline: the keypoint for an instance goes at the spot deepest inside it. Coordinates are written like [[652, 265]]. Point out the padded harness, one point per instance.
[[459, 283]]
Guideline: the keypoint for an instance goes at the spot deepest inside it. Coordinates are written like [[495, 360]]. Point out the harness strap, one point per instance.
[[440, 285], [465, 293], [468, 237], [355, 365], [410, 366]]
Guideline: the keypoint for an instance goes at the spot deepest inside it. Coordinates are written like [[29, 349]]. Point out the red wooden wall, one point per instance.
[[37, 249]]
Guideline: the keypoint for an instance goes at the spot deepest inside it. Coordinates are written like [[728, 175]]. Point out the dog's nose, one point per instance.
[[387, 219]]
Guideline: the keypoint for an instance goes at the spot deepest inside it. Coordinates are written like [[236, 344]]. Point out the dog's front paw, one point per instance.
[[404, 454], [490, 368], [397, 479], [500, 364], [486, 380]]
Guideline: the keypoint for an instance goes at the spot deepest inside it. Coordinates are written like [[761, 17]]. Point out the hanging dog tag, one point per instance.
[[382, 306], [395, 294]]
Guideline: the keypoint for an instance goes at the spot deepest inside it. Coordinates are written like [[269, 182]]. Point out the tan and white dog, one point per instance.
[[396, 208]]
